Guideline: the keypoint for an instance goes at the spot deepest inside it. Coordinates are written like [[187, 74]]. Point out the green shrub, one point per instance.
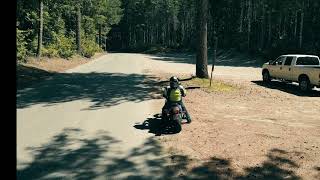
[[61, 47], [89, 47], [32, 46], [21, 46], [65, 47], [50, 51]]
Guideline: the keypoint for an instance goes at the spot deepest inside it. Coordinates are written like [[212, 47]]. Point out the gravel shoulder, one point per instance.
[[258, 128]]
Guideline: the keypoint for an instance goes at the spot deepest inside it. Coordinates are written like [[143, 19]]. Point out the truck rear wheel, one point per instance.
[[304, 84]]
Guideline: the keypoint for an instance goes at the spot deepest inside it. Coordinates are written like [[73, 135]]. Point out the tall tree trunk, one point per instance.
[[150, 34], [134, 38], [105, 43], [144, 36], [168, 33], [157, 35], [301, 27], [147, 36], [129, 37], [279, 28], [215, 44], [254, 12], [284, 33], [249, 22], [100, 27], [270, 27], [295, 25], [188, 29], [202, 53], [78, 32], [241, 16], [263, 26], [182, 32], [40, 29], [174, 34], [162, 34]]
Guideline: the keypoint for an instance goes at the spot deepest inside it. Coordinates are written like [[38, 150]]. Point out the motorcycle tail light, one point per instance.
[[175, 110]]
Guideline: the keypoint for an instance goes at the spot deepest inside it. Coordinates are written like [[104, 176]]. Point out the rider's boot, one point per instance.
[[188, 118]]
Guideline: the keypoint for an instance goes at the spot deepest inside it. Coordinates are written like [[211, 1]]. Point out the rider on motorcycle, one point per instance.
[[174, 94]]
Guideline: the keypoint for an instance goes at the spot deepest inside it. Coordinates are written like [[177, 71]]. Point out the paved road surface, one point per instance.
[[80, 124]]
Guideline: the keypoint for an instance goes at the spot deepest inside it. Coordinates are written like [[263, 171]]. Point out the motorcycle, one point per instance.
[[172, 117]]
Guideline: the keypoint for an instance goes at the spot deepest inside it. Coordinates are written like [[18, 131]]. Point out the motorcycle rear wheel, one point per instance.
[[177, 126]]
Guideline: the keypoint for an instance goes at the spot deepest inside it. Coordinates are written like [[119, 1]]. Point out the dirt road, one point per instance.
[[81, 124], [258, 131]]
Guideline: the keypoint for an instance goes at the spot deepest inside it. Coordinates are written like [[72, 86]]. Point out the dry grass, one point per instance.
[[58, 64], [216, 86], [37, 70]]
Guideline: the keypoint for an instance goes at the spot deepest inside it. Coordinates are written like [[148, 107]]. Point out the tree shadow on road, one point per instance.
[[277, 166], [57, 159], [102, 89], [26, 75], [288, 88], [72, 155]]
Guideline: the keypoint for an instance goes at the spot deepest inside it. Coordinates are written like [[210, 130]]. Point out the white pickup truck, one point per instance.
[[304, 69]]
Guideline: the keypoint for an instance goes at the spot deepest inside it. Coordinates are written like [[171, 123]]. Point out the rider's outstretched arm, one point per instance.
[[183, 91]]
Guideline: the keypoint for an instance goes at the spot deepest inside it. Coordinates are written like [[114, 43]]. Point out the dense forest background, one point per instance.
[[62, 28], [65, 27], [255, 26]]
